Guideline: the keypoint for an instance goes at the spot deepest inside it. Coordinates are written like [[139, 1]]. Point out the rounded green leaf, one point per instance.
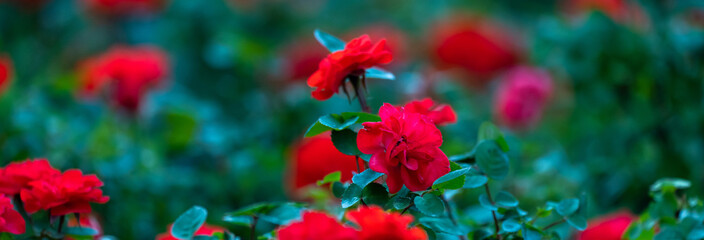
[[365, 177], [475, 181], [451, 180], [506, 200], [488, 131], [378, 73], [567, 207], [510, 225], [328, 41], [430, 204], [330, 178], [351, 195], [189, 222], [338, 189], [577, 222], [492, 160], [484, 202], [345, 141], [375, 194]]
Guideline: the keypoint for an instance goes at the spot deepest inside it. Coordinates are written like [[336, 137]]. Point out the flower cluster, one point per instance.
[[126, 72], [359, 54], [42, 187], [405, 146], [372, 223]]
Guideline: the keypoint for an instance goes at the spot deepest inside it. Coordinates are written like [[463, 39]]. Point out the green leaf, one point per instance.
[[346, 142], [205, 237], [675, 183], [379, 73], [338, 189], [696, 234], [577, 222], [330, 178], [253, 209], [365, 177], [531, 233], [451, 180], [492, 160], [475, 181], [442, 225], [351, 195], [282, 214], [430, 204], [669, 233], [510, 225], [402, 199], [189, 222], [332, 43], [375, 194], [488, 131], [238, 220], [462, 157], [5, 236], [339, 122], [567, 207], [315, 129], [80, 233], [484, 202], [506, 200], [362, 117]]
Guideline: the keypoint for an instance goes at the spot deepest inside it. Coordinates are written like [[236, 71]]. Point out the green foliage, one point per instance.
[[491, 159], [430, 204], [332, 43], [330, 178], [339, 122], [346, 142], [365, 177], [189, 222]]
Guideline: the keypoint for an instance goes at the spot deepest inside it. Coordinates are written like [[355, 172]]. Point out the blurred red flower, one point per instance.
[[316, 225], [406, 147], [129, 71], [18, 175], [359, 54], [521, 96], [5, 73], [616, 9], [70, 192], [440, 114], [10, 220], [374, 223], [122, 7], [300, 59], [396, 40], [607, 227], [479, 47], [205, 229], [316, 157]]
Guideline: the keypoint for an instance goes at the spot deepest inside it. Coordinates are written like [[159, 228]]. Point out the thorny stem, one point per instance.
[[253, 231], [493, 213], [554, 224], [61, 223], [20, 208]]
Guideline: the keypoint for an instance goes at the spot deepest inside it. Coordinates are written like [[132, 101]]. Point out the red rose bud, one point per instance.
[[204, 229], [374, 224], [521, 97], [10, 220], [316, 225], [17, 175], [5, 73], [123, 7], [70, 192], [359, 54], [316, 157], [607, 227], [406, 147], [480, 48], [440, 114], [129, 72]]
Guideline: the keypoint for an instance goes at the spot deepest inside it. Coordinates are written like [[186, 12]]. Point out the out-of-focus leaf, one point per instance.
[[332, 43], [484, 202], [379, 73], [492, 160], [430, 204], [375, 194], [567, 207], [488, 131], [330, 178], [675, 183], [577, 222], [189, 222], [506, 200], [510, 225]]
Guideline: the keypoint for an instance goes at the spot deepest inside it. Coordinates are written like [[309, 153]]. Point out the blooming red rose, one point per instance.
[[316, 225], [316, 157], [10, 220], [122, 7], [608, 227], [396, 40], [374, 223], [129, 72], [204, 229], [522, 96], [406, 147], [479, 47], [359, 54], [70, 192], [5, 73], [440, 114], [17, 175]]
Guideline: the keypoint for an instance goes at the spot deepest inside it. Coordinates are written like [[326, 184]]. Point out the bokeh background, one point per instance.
[[624, 107]]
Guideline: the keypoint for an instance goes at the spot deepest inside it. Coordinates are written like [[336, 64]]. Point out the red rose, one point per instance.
[[122, 7], [70, 192], [17, 175], [440, 114], [522, 96], [480, 48], [374, 223], [396, 40], [5, 73], [316, 225], [608, 227], [10, 220], [205, 229], [359, 54], [301, 58], [406, 147], [316, 157], [130, 72]]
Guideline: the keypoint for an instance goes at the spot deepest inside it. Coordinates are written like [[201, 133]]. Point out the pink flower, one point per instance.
[[440, 114], [406, 147], [10, 220], [522, 96]]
